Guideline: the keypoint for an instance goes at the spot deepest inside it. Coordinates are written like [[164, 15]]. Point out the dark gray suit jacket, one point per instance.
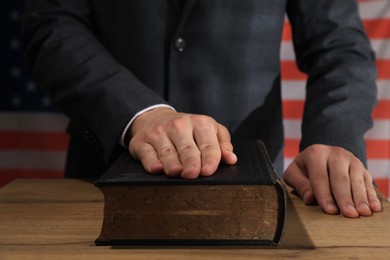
[[102, 61]]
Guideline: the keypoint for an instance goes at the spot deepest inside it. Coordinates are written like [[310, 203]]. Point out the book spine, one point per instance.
[[282, 212]]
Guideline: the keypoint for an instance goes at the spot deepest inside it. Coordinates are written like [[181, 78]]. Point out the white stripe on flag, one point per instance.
[[287, 51], [295, 89], [380, 46], [375, 9], [292, 128], [383, 88], [380, 130], [287, 162], [379, 168]]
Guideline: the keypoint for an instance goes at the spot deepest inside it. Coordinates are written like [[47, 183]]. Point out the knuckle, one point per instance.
[[187, 148], [179, 124], [312, 153], [367, 177], [338, 151], [167, 149], [341, 178], [206, 146], [202, 120], [355, 162], [356, 178], [153, 134], [321, 177], [157, 131], [193, 161], [316, 148], [338, 156], [336, 161]]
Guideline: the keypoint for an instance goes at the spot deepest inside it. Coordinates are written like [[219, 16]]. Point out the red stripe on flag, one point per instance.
[[375, 28], [293, 109], [287, 33], [383, 68], [290, 70], [382, 110], [376, 149], [7, 175], [291, 147], [44, 141]]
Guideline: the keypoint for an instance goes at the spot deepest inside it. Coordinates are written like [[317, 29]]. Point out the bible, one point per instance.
[[242, 204]]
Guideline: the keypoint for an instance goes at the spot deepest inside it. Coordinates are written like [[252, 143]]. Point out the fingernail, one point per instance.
[[365, 206], [377, 204], [351, 207], [331, 207]]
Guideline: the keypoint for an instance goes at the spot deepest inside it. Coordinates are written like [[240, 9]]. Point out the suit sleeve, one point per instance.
[[67, 59], [331, 46]]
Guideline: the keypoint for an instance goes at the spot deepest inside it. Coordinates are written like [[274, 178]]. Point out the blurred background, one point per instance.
[[33, 141]]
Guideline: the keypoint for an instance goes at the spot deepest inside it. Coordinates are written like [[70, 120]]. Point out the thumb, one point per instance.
[[227, 154], [297, 179]]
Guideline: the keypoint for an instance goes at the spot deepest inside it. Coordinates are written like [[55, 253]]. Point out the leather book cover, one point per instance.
[[243, 204]]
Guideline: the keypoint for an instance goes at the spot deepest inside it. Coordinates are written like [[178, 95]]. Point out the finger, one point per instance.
[[181, 133], [227, 154], [148, 157], [206, 138], [373, 199], [359, 191], [339, 180], [318, 174], [168, 156], [297, 178], [189, 156]]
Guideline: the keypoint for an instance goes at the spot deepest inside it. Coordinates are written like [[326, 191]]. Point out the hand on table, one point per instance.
[[180, 144], [335, 178]]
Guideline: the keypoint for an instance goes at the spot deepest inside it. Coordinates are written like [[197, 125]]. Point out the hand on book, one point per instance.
[[335, 178], [180, 144]]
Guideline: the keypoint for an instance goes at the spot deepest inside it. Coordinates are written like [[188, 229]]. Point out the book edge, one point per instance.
[[282, 212], [258, 149]]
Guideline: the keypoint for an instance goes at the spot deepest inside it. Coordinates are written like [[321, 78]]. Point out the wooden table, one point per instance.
[[60, 219]]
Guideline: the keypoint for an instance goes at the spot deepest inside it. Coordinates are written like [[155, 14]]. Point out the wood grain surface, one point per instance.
[[60, 219]]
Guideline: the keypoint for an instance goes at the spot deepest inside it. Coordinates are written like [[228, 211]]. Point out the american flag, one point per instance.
[[33, 141]]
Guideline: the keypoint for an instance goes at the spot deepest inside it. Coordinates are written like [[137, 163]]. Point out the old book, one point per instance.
[[244, 204]]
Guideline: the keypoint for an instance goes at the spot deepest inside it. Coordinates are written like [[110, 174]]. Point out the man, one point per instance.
[[169, 79]]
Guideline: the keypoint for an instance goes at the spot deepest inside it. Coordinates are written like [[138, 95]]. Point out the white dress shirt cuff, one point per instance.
[[122, 140]]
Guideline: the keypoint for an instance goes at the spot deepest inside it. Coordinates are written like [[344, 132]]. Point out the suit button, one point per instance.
[[180, 44]]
